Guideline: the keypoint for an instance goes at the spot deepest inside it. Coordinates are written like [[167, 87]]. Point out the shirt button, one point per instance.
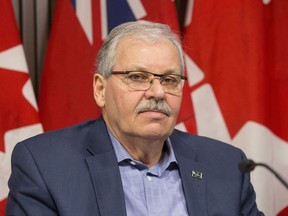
[[132, 163], [149, 178]]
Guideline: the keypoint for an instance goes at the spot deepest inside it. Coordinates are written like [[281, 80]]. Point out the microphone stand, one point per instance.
[[248, 165]]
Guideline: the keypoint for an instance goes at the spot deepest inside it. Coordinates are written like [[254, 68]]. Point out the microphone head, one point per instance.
[[246, 165]]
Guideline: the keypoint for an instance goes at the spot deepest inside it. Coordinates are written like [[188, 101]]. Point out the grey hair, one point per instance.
[[143, 30]]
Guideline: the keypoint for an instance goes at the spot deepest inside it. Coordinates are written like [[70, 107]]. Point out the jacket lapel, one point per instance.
[[107, 184], [194, 185], [104, 171]]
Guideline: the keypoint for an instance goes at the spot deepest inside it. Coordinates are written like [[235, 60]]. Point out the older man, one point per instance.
[[131, 161]]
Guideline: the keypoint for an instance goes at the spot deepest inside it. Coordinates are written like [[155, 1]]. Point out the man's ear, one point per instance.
[[99, 83]]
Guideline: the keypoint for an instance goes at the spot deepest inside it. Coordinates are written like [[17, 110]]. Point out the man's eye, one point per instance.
[[170, 80], [138, 77]]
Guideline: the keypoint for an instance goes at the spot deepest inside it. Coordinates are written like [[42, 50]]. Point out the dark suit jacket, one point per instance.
[[74, 171]]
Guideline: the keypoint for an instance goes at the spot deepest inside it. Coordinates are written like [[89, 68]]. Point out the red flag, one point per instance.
[[66, 89], [78, 29], [237, 54], [18, 110]]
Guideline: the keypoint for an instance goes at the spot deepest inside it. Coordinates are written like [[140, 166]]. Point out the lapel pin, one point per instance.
[[197, 174]]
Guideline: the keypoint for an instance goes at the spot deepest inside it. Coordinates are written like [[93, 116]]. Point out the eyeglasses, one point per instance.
[[142, 80]]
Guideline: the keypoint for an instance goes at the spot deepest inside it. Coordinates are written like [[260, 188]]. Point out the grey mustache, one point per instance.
[[152, 104]]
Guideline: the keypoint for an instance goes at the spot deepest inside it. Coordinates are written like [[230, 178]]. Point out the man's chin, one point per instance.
[[155, 130]]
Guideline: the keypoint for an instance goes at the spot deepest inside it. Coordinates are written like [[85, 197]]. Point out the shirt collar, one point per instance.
[[122, 154]]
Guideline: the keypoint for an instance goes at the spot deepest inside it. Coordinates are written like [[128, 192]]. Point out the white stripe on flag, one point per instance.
[[14, 59], [28, 94], [189, 12], [104, 22], [137, 8], [84, 14]]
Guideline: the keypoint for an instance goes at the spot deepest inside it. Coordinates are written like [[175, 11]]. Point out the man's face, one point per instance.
[[119, 101]]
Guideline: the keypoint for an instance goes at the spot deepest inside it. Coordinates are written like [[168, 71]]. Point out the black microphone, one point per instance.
[[247, 165]]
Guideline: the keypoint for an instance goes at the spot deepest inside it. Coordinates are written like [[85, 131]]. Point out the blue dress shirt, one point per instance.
[[151, 192]]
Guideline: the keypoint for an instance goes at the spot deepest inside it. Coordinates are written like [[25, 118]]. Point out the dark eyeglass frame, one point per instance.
[[184, 78]]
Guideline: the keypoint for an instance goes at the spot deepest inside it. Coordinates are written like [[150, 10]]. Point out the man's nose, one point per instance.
[[156, 89]]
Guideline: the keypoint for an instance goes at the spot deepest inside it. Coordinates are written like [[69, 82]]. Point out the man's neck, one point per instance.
[[149, 153]]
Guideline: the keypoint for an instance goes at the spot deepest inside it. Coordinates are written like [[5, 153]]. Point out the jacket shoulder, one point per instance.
[[59, 138], [204, 145]]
